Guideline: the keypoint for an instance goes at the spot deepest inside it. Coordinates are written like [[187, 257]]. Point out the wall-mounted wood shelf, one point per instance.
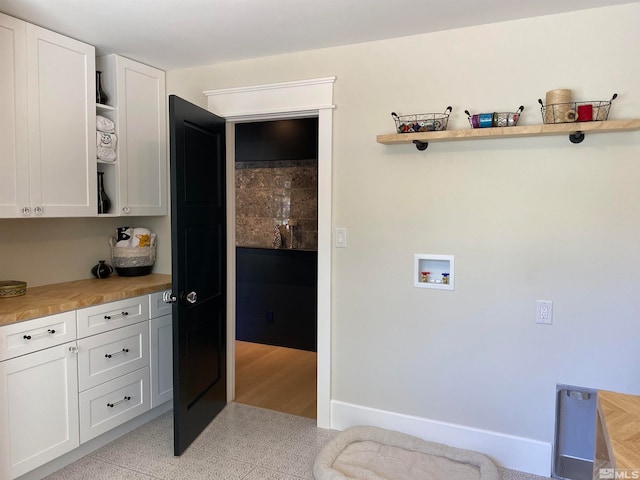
[[575, 131]]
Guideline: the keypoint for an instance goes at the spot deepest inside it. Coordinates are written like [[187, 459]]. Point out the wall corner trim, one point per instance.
[[509, 451]]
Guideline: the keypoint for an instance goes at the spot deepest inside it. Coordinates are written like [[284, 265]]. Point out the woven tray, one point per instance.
[[12, 288]]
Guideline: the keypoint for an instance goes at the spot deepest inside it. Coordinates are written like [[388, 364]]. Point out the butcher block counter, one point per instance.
[[67, 296], [617, 432]]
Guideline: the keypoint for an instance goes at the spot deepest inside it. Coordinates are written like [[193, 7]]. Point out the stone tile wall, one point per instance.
[[269, 194]]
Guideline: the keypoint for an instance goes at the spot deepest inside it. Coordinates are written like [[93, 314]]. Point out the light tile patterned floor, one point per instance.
[[243, 443]]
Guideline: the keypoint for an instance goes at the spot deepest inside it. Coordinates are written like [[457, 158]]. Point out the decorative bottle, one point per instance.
[[101, 97], [102, 269], [104, 203]]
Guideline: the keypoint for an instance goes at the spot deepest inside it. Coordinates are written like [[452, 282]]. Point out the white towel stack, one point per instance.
[[105, 139], [103, 124], [132, 237]]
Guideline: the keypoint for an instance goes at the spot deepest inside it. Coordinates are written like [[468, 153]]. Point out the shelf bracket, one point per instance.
[[421, 145], [576, 137]]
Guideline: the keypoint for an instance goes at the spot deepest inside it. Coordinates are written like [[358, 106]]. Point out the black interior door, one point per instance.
[[198, 251]]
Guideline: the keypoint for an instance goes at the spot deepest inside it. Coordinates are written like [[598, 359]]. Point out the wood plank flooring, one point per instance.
[[276, 378]]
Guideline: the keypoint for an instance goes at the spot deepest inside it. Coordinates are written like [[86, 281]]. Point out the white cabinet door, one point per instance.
[[161, 360], [61, 93], [157, 306], [14, 141], [141, 112], [39, 419], [143, 129]]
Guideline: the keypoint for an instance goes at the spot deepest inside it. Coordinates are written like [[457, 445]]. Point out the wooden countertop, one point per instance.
[[620, 415], [63, 297]]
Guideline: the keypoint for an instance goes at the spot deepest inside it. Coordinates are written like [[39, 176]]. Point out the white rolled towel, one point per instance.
[[141, 237], [106, 154], [106, 140], [124, 236], [103, 124]]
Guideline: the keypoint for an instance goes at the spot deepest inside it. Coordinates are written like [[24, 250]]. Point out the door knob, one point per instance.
[[192, 297], [168, 297]]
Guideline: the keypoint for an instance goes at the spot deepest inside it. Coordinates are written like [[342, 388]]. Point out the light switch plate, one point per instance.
[[341, 238]]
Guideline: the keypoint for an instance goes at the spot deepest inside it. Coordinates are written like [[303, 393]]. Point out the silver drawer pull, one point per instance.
[[109, 355], [121, 314], [125, 399], [48, 332]]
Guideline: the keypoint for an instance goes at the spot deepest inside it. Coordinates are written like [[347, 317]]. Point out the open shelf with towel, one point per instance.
[[137, 106], [108, 168]]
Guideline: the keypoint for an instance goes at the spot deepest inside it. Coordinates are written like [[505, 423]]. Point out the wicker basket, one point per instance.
[[422, 122], [133, 261]]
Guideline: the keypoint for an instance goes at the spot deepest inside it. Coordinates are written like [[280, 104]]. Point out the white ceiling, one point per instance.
[[173, 34]]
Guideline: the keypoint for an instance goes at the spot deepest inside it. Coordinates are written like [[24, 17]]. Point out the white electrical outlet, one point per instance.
[[544, 312]]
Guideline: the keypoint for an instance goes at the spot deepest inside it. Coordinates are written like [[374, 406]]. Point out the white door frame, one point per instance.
[[306, 98]]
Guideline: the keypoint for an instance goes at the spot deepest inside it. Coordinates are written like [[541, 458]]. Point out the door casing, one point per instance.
[[273, 102]]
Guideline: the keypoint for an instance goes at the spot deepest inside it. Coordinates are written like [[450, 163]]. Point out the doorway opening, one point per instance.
[[276, 225], [299, 98]]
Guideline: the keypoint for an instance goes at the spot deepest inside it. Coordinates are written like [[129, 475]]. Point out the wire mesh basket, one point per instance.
[[133, 261], [576, 111], [422, 122], [495, 119]]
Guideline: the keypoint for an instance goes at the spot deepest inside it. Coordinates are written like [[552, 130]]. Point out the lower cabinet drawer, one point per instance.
[[108, 316], [113, 403], [109, 355], [37, 334]]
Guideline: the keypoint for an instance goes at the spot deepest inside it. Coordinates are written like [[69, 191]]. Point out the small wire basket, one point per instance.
[[495, 119], [576, 111], [422, 122]]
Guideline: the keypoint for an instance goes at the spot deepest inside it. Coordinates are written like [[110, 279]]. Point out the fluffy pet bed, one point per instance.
[[371, 453]]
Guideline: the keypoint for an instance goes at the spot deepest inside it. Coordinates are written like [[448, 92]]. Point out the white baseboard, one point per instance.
[[517, 453]]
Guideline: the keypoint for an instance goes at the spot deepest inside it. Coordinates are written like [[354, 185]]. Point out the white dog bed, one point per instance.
[[371, 453]]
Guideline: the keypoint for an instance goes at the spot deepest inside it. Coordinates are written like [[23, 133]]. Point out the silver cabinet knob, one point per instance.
[[73, 349], [25, 211], [126, 210], [192, 297], [38, 210]]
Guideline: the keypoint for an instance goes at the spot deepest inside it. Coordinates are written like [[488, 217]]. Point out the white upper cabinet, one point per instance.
[[137, 93], [47, 83], [61, 85], [14, 142]]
